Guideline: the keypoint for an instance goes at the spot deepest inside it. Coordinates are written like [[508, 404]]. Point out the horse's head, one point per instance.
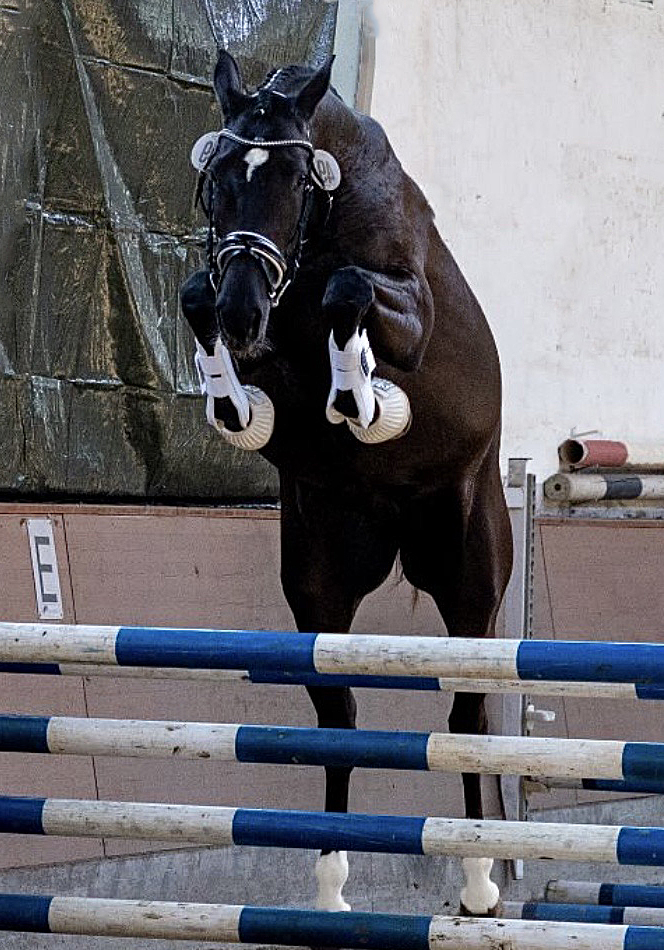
[[260, 190]]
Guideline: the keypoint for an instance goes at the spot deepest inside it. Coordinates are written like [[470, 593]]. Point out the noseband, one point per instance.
[[278, 270], [263, 250]]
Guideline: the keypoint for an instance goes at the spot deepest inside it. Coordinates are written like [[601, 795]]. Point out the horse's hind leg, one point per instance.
[[335, 709], [332, 554], [458, 548]]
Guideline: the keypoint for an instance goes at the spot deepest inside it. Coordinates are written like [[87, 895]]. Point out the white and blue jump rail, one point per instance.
[[391, 834], [600, 765], [310, 654], [419, 683], [605, 894], [292, 927], [584, 913]]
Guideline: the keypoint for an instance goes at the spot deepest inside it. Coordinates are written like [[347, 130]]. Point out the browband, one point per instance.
[[270, 143]]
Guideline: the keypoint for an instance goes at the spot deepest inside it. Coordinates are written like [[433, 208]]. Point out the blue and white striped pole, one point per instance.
[[449, 684], [217, 825], [289, 927], [276, 678], [630, 786], [608, 895], [631, 763], [584, 913], [308, 653]]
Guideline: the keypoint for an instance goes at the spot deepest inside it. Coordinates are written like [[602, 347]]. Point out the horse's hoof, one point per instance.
[[261, 423], [394, 414], [331, 874], [496, 911]]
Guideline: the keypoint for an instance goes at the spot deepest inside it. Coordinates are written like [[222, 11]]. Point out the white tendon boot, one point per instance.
[[254, 408], [331, 874], [480, 895], [352, 370]]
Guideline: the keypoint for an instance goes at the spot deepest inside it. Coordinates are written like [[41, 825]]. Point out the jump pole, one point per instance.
[[608, 895], [288, 927], [275, 678], [580, 661], [631, 786], [584, 913], [571, 759], [225, 826]]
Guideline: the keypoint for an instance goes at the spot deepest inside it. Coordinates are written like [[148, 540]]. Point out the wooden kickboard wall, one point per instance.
[[220, 568]]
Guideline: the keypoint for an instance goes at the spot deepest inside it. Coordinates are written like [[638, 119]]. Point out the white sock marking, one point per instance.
[[480, 894], [331, 874]]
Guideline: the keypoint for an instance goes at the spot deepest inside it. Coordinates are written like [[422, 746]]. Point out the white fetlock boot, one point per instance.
[[332, 874], [254, 408], [352, 370], [481, 896]]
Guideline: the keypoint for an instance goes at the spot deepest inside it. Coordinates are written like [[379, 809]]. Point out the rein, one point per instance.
[[278, 269]]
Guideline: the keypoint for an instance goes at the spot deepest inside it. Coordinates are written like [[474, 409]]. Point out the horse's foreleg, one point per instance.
[[359, 307], [347, 299], [395, 308], [197, 299], [243, 416]]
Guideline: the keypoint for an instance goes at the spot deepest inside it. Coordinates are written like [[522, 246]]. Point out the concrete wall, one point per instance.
[[536, 130]]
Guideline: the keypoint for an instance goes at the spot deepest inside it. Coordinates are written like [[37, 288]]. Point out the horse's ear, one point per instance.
[[311, 94], [227, 84]]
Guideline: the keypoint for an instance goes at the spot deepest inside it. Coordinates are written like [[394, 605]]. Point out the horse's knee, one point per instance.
[[196, 292], [197, 300], [348, 296]]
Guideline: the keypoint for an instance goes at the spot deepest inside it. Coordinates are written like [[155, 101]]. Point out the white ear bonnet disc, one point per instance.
[[203, 150], [327, 170]]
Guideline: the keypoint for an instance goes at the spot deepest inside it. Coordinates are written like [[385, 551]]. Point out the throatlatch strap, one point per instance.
[[218, 380], [351, 372]]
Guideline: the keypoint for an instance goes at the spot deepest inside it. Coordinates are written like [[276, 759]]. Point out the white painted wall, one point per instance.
[[536, 130]]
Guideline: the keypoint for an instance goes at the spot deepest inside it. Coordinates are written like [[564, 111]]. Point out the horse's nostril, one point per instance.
[[242, 322]]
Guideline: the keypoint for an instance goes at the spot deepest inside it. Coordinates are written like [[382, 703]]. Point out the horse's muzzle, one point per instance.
[[243, 307], [243, 331]]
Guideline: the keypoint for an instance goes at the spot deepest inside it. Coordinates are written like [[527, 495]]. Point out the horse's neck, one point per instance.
[[377, 205], [332, 118], [347, 134]]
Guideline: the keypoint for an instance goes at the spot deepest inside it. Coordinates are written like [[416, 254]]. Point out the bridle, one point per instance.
[[278, 269]]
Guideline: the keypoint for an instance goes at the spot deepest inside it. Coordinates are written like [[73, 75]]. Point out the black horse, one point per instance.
[[365, 256]]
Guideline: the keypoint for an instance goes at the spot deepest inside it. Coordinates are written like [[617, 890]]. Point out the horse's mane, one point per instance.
[[285, 76], [288, 79], [382, 193]]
